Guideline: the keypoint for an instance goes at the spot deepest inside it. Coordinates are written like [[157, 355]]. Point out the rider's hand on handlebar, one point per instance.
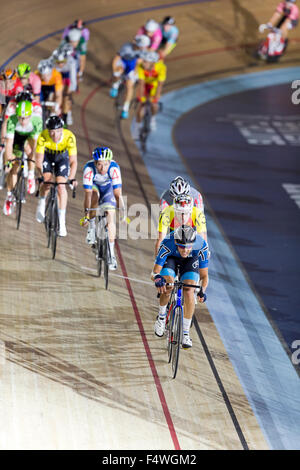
[[201, 296], [160, 283], [73, 183], [84, 222]]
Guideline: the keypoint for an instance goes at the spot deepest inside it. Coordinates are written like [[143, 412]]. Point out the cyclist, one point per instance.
[[78, 24], [67, 66], [79, 45], [182, 211], [30, 80], [153, 31], [187, 250], [124, 63], [56, 152], [151, 77], [10, 86], [11, 109], [179, 186], [170, 34], [102, 184], [285, 17], [21, 135], [52, 84]]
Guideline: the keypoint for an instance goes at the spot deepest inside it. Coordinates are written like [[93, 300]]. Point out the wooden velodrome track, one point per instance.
[[80, 367]]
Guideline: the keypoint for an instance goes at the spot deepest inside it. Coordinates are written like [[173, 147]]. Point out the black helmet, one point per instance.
[[168, 20], [185, 235], [24, 96], [54, 122]]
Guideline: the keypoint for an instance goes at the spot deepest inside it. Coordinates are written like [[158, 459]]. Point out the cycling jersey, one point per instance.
[[152, 77], [17, 88], [34, 83], [69, 73], [11, 109], [66, 146], [55, 80], [168, 220], [292, 13], [167, 200], [171, 35], [92, 178], [155, 38], [85, 33], [168, 248], [31, 130]]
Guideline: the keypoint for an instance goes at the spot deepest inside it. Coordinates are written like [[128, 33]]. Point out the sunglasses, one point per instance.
[[187, 247]]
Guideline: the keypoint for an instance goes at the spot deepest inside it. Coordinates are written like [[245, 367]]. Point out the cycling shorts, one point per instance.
[[61, 164], [46, 90], [188, 268]]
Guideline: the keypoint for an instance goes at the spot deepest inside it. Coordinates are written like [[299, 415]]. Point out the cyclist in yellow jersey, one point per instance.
[[56, 152], [182, 212], [152, 74]]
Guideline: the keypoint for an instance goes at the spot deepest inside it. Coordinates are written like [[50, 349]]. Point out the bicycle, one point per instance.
[[146, 123], [51, 220], [273, 47], [48, 108], [19, 191], [120, 98], [102, 247], [174, 323]]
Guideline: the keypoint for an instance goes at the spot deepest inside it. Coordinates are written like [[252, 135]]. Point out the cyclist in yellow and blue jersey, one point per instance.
[[56, 152]]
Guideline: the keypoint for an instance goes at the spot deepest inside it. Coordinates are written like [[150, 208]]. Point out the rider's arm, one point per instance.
[[275, 18], [87, 200], [73, 166], [8, 154], [156, 270], [39, 158], [160, 238], [204, 278], [119, 197]]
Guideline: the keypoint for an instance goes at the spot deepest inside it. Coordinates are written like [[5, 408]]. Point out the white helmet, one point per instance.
[[142, 41], [45, 66], [151, 26], [183, 204], [179, 186], [74, 34], [127, 51], [150, 56]]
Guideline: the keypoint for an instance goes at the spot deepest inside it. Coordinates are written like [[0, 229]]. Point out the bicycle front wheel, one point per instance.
[[54, 227], [107, 262], [177, 339], [99, 255], [20, 196]]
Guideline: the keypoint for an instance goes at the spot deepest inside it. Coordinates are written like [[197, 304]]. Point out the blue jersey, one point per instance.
[[169, 248], [91, 177], [170, 36]]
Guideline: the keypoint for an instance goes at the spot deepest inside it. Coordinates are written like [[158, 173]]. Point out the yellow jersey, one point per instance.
[[66, 144], [152, 77], [168, 220]]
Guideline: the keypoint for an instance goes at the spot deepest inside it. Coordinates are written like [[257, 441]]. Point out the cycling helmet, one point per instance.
[[168, 20], [9, 74], [45, 66], [183, 204], [185, 235], [151, 26], [179, 186], [102, 153], [24, 96], [150, 56], [142, 41], [127, 51], [54, 122], [23, 70], [74, 34], [62, 53], [24, 109]]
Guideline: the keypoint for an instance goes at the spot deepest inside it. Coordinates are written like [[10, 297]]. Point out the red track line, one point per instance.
[[134, 304]]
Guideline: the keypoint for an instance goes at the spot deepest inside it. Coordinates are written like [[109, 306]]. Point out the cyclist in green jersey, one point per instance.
[[22, 132]]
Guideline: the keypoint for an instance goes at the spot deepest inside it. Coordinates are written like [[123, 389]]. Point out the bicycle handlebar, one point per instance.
[[55, 183]]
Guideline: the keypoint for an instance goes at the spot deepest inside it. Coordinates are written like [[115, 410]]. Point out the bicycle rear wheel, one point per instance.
[[145, 130], [120, 96], [47, 220], [54, 227], [176, 340], [19, 196]]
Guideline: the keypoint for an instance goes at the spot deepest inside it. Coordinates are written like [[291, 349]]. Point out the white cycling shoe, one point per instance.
[[40, 211], [160, 326], [62, 232], [186, 341], [113, 266]]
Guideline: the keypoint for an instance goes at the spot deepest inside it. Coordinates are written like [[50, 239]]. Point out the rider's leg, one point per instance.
[[191, 278], [44, 190], [117, 71], [62, 204], [29, 150], [11, 180]]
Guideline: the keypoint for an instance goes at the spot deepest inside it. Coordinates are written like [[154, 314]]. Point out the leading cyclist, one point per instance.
[[180, 187], [102, 183], [188, 251]]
